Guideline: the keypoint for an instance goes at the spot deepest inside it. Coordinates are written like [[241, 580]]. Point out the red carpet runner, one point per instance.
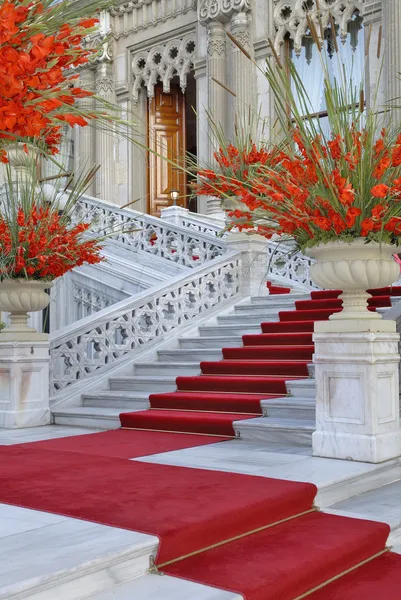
[[231, 389], [255, 536]]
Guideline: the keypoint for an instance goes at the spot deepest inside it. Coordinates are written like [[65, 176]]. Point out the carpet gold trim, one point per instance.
[[343, 574], [213, 412], [229, 437], [235, 538]]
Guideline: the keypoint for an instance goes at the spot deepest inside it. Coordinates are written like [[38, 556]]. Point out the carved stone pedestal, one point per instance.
[[357, 394], [24, 384]]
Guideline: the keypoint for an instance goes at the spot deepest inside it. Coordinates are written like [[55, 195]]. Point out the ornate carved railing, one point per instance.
[[96, 342], [140, 232], [288, 267]]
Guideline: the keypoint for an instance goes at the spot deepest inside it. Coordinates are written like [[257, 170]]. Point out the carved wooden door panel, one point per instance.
[[166, 138]]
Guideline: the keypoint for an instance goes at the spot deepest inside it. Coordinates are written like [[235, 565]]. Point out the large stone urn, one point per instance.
[[20, 297], [354, 268], [356, 357]]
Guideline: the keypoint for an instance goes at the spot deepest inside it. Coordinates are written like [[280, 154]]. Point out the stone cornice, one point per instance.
[[220, 10]]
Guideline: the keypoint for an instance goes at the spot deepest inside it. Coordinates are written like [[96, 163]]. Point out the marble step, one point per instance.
[[117, 399], [221, 341], [195, 355], [88, 416], [255, 309], [154, 587], [279, 299], [302, 388], [276, 430], [229, 330], [247, 321], [44, 556], [380, 504], [303, 409], [167, 368], [144, 383]]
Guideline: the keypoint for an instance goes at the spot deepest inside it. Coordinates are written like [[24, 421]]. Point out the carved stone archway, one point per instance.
[[162, 63]]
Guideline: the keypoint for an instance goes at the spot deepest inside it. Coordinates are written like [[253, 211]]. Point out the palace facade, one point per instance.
[[169, 63]]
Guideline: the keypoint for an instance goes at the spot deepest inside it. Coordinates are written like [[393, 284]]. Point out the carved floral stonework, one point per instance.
[[290, 18], [216, 47], [162, 63], [104, 85], [244, 38], [210, 10]]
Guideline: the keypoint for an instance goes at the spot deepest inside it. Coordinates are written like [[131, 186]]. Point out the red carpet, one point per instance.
[[210, 403], [377, 580], [284, 550], [287, 560], [189, 509], [123, 444]]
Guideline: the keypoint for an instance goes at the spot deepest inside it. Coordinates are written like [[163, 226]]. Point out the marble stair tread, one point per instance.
[[234, 329], [176, 355], [166, 368], [301, 409], [245, 320], [45, 556], [117, 399], [381, 504], [279, 299], [276, 429], [88, 416], [302, 388], [154, 587], [149, 383], [210, 342]]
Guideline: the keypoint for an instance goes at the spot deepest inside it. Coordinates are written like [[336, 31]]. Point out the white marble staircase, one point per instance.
[[285, 418]]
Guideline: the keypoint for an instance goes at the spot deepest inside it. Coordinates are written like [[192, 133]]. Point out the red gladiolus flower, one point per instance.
[[380, 191]]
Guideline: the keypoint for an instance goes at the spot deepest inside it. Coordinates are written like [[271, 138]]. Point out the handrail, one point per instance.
[[145, 233], [95, 342]]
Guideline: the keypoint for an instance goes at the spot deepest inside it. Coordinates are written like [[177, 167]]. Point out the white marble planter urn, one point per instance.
[[20, 297], [356, 357], [354, 268]]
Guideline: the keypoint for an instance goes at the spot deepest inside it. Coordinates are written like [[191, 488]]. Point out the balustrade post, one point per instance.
[[254, 262]]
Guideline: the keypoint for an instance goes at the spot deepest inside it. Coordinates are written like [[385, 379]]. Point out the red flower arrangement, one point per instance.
[[39, 244], [38, 51], [317, 185]]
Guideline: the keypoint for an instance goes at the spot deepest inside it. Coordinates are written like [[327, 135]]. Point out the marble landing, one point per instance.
[[382, 504], [337, 480], [154, 587], [44, 556], [9, 437]]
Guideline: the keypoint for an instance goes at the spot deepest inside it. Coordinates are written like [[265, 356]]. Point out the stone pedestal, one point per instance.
[[24, 384], [254, 262], [357, 392]]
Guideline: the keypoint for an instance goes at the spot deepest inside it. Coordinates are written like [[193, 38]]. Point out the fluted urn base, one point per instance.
[[19, 297], [354, 268]]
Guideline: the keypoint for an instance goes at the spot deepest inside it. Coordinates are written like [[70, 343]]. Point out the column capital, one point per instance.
[[221, 10]]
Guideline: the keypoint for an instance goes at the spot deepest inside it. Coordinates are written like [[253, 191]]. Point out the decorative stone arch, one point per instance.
[[290, 18], [163, 63]]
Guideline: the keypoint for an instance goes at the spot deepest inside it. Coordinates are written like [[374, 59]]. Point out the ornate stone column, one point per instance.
[[242, 68], [85, 137], [391, 19], [105, 141], [217, 70]]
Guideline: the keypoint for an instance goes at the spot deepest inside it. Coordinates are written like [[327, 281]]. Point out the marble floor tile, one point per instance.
[[154, 587], [36, 434], [67, 549], [253, 459], [15, 520]]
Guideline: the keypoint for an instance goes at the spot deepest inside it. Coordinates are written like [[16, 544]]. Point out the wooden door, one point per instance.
[[166, 140]]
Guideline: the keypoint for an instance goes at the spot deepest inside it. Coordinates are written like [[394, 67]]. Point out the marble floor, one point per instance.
[[80, 559]]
